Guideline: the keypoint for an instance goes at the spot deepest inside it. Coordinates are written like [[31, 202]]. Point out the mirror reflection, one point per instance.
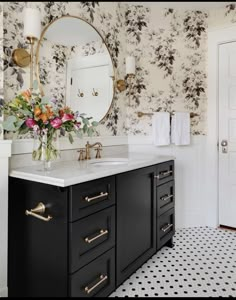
[[74, 65]]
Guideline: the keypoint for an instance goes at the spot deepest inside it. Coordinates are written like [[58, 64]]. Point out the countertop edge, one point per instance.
[[17, 173]]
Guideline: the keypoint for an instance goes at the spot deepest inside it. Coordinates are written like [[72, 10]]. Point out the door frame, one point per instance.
[[216, 37]]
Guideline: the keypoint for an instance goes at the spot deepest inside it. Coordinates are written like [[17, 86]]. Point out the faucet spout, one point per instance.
[[87, 149]]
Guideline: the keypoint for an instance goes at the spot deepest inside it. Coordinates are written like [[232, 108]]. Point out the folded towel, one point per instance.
[[161, 128], [180, 128]]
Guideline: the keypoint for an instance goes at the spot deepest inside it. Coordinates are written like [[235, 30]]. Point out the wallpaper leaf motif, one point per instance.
[[163, 55], [231, 11], [111, 36], [53, 11], [136, 21], [90, 6], [195, 27]]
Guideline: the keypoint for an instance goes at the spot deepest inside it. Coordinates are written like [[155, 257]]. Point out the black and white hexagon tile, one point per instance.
[[202, 264]]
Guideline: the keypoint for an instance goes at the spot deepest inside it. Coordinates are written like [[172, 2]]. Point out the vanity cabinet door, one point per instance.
[[97, 279], [165, 228], [90, 197], [165, 172], [37, 250], [91, 236], [165, 197], [136, 220]]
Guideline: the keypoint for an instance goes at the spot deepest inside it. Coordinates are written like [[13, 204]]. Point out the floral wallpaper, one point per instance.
[[108, 18], [170, 46], [171, 73]]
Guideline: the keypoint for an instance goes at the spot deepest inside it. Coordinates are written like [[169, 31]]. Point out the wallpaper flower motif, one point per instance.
[[163, 55], [111, 34], [195, 26], [231, 11], [136, 22], [91, 8]]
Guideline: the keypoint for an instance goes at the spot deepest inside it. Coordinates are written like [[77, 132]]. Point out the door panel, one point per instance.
[[136, 220], [227, 132]]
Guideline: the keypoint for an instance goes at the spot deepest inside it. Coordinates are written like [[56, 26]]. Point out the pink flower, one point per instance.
[[30, 123], [67, 117], [56, 123]]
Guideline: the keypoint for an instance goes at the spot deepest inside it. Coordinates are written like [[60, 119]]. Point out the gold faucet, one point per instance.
[[98, 149]]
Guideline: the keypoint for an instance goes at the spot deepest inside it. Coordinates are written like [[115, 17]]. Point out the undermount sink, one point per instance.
[[109, 162]]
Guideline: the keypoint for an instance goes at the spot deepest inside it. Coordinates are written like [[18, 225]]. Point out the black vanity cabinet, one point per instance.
[[101, 231]]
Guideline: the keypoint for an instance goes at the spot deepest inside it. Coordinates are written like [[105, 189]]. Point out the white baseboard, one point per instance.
[[3, 292]]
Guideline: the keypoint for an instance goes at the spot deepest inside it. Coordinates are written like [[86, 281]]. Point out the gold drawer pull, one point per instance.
[[102, 279], [167, 197], [37, 212], [164, 174], [101, 233], [102, 194], [165, 228]]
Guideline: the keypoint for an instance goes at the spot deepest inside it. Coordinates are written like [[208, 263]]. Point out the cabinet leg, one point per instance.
[[170, 243]]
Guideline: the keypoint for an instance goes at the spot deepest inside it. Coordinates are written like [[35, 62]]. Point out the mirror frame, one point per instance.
[[38, 51]]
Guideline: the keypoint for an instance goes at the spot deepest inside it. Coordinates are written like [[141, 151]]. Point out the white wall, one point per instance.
[[190, 182], [5, 152]]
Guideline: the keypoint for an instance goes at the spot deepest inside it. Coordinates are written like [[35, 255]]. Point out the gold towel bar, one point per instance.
[[141, 114]]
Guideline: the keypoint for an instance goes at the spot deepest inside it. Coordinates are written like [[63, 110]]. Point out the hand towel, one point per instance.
[[161, 128], [180, 128]]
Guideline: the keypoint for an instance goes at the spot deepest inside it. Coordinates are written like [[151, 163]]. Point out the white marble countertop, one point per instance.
[[66, 173]]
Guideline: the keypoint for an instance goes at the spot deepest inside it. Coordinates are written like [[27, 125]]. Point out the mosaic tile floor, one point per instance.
[[202, 264]]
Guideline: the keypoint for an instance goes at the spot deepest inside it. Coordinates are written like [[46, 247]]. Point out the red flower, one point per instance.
[[67, 117]]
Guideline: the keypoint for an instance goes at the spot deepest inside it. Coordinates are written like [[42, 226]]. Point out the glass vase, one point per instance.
[[46, 148]]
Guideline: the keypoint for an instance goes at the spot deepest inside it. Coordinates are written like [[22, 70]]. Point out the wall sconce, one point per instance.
[[32, 31], [130, 72]]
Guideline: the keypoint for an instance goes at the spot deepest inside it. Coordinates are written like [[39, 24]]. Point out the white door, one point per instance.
[[227, 134]]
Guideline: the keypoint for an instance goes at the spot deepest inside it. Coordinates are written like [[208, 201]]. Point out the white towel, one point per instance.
[[180, 128], [161, 128]]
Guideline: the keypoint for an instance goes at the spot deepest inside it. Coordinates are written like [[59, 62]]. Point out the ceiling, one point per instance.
[[184, 5]]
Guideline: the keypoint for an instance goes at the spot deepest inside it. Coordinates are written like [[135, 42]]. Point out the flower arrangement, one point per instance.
[[30, 112]]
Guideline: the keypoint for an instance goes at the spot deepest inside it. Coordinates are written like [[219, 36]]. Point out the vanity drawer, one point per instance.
[[165, 172], [96, 279], [165, 227], [90, 197], [165, 197], [91, 236]]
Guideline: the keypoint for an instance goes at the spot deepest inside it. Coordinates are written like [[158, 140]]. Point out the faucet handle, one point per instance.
[[81, 154], [98, 154]]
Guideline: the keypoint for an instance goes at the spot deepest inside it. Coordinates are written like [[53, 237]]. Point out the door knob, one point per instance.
[[224, 145]]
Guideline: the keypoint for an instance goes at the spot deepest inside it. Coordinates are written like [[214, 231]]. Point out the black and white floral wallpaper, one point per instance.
[[108, 18], [170, 47]]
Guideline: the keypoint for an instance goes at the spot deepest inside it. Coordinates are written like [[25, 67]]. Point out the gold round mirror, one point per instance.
[[74, 65]]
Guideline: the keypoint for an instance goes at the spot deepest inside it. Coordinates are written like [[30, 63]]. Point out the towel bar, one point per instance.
[[141, 114]]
